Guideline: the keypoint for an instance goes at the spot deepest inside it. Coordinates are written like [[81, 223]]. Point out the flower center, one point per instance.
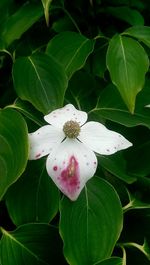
[[71, 129]]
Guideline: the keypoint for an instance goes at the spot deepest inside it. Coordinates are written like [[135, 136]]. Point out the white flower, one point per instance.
[[70, 144]]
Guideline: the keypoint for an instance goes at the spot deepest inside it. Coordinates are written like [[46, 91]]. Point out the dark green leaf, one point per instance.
[[20, 22], [34, 195], [128, 63], [28, 111], [32, 244], [111, 107], [131, 16], [91, 225], [75, 51], [40, 80], [13, 147], [116, 165]]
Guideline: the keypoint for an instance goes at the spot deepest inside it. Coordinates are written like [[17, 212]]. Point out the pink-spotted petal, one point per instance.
[[70, 166], [60, 116], [43, 140], [101, 140]]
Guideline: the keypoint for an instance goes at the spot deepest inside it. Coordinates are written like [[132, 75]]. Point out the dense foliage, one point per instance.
[[93, 54]]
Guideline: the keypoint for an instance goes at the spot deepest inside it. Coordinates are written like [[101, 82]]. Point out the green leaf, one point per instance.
[[128, 63], [142, 33], [28, 111], [111, 107], [116, 165], [76, 49], [145, 248], [40, 80], [111, 261], [135, 203], [32, 244], [13, 147], [20, 22], [131, 16], [91, 225], [33, 190], [99, 58], [46, 5]]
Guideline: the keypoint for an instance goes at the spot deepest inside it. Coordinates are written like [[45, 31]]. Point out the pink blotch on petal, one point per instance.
[[69, 178], [55, 168], [38, 155]]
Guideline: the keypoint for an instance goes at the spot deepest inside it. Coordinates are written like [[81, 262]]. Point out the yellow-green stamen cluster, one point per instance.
[[71, 129]]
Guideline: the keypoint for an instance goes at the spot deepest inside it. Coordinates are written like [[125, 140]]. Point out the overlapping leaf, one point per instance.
[[91, 225], [71, 49], [34, 195], [13, 147], [19, 22], [111, 107], [40, 80], [32, 244]]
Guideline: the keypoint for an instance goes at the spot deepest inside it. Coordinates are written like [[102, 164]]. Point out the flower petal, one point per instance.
[[58, 117], [43, 140], [70, 166], [101, 140]]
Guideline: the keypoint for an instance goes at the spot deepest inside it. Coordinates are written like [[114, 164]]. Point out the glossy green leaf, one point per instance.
[[75, 51], [116, 165], [46, 5], [111, 107], [20, 22], [142, 33], [111, 261], [128, 63], [131, 16], [40, 80], [33, 190], [32, 244], [28, 111], [13, 147], [91, 225]]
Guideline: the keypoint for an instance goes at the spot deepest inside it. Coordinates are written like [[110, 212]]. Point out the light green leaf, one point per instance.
[[91, 225], [128, 63], [111, 107], [142, 33], [33, 190], [32, 244], [75, 51], [13, 147], [40, 80], [46, 5], [20, 22], [116, 165]]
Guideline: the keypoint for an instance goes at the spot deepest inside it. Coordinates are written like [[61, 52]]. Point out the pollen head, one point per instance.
[[71, 129]]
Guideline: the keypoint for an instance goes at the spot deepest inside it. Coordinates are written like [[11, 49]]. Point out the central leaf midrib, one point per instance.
[[77, 51], [38, 76], [124, 60], [21, 245]]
